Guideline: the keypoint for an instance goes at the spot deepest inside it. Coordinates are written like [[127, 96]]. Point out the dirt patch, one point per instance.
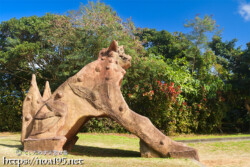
[[224, 154], [243, 162]]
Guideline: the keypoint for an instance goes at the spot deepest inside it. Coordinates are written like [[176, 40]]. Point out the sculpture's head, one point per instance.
[[117, 52]]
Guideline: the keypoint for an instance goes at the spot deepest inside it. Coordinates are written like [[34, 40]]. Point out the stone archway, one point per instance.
[[51, 121]]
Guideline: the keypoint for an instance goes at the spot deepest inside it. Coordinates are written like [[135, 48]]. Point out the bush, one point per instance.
[[11, 109]]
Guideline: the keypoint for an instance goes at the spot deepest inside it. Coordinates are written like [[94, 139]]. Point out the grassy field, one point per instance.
[[192, 136], [123, 150]]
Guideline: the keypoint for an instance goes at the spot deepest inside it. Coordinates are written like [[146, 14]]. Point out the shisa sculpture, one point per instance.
[[52, 121]]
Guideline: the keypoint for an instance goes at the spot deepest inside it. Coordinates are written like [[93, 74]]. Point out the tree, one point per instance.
[[199, 94], [163, 43], [235, 73], [102, 25], [39, 45], [200, 27]]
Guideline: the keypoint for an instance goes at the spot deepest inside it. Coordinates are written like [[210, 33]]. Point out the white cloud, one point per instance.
[[244, 11]]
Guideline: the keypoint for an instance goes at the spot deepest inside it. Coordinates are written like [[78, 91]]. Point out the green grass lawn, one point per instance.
[[123, 150], [192, 136]]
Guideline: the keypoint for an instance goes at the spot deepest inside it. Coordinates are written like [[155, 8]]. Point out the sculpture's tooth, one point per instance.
[[34, 93], [33, 80], [34, 88], [47, 91]]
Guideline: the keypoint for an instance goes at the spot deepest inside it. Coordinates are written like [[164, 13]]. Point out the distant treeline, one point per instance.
[[184, 83]]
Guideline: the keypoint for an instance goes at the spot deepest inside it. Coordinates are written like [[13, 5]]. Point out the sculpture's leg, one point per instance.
[[153, 138], [71, 136], [70, 143], [147, 151]]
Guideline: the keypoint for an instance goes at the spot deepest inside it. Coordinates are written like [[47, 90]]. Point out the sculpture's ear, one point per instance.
[[113, 46]]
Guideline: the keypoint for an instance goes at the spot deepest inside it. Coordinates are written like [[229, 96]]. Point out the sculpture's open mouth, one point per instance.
[[126, 66], [125, 61]]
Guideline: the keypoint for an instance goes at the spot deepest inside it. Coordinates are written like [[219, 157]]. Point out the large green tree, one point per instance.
[[102, 25], [236, 74], [39, 45], [178, 51], [201, 29], [164, 43]]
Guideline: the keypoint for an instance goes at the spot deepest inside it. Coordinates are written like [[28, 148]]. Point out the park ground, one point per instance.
[[123, 150]]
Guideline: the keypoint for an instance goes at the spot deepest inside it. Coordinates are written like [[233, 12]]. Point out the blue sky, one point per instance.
[[170, 15]]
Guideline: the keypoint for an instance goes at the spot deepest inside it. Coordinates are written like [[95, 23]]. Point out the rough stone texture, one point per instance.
[[45, 144], [93, 92], [147, 151], [70, 144]]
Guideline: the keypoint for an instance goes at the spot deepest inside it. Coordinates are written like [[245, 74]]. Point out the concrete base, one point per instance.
[[177, 150], [180, 150], [49, 144]]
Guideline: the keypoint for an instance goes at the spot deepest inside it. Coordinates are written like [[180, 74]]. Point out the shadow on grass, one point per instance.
[[103, 152], [92, 151], [20, 147]]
